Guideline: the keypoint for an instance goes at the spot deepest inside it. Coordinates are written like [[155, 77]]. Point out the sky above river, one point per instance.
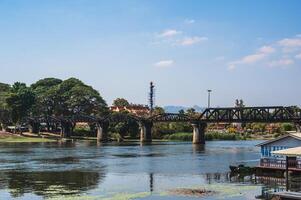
[[249, 50]]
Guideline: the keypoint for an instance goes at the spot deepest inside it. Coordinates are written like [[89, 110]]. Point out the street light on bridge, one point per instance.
[[209, 91]]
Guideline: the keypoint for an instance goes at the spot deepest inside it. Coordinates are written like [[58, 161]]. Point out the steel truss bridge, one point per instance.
[[269, 114], [272, 114]]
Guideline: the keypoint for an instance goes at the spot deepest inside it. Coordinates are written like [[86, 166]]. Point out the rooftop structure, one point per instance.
[[290, 140], [138, 110], [271, 156]]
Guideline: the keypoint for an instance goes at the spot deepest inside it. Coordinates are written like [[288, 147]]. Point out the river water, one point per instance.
[[87, 170]]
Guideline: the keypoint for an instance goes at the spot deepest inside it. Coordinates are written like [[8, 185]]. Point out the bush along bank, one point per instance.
[[208, 136]]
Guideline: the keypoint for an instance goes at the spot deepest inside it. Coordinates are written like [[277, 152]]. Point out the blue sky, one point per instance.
[[249, 50]]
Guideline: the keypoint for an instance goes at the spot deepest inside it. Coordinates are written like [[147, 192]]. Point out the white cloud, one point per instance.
[[298, 56], [267, 49], [189, 21], [262, 53], [192, 40], [279, 53], [290, 42], [249, 59], [169, 33], [164, 63], [252, 58], [281, 62]]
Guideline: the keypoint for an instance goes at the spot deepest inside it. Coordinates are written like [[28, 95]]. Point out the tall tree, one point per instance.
[[239, 103], [20, 101], [75, 97], [158, 110], [84, 99], [191, 112], [4, 91], [46, 97], [120, 102]]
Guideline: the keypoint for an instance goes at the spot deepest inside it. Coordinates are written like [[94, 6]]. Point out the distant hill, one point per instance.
[[176, 109]]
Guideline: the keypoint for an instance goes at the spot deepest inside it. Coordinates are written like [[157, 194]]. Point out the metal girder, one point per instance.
[[122, 117], [171, 117], [269, 114], [251, 114]]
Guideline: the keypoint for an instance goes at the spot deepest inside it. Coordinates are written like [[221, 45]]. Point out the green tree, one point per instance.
[[191, 112], [287, 127], [120, 102], [239, 103], [72, 96], [84, 99], [4, 91], [46, 96], [20, 101], [158, 110], [181, 112]]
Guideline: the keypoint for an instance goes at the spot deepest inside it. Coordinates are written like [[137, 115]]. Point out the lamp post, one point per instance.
[[209, 91]]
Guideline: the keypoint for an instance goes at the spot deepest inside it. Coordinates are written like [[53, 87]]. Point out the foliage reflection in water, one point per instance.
[[86, 170]]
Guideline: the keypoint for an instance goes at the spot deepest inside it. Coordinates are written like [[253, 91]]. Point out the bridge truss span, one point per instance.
[[171, 117], [272, 114]]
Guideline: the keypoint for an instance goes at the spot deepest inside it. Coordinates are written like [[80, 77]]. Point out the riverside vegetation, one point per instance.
[[55, 97]]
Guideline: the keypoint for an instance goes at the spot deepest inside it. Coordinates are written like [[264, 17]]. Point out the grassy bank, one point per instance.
[[208, 136], [6, 137], [24, 139]]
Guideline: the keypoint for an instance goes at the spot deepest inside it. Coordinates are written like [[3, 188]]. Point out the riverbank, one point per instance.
[[209, 136], [182, 136], [6, 137]]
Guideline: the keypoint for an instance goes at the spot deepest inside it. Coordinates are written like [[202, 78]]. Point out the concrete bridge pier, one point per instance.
[[198, 133], [66, 129], [34, 127], [146, 131], [298, 127], [101, 132]]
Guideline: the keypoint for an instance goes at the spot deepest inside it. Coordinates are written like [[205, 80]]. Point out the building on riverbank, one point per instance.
[[270, 161], [139, 110]]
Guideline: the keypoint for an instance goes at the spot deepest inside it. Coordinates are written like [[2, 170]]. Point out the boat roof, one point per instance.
[[295, 135]]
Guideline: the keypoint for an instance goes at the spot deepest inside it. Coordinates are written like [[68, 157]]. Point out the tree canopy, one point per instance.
[[120, 102], [4, 91], [51, 96], [19, 101]]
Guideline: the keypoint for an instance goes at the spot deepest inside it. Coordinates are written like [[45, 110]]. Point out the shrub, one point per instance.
[[208, 136], [179, 136]]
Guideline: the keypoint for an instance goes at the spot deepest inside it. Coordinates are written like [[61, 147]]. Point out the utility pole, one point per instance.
[[209, 91]]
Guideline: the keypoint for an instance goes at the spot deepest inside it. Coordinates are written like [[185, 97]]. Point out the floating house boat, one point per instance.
[[270, 161]]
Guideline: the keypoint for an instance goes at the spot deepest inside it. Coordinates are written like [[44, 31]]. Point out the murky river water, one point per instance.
[[86, 170]]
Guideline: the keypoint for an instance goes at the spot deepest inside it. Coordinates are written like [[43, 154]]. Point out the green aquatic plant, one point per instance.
[[119, 196], [128, 196], [220, 191], [230, 190]]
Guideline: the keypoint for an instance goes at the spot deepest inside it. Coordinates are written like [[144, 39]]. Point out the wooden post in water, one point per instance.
[[286, 174]]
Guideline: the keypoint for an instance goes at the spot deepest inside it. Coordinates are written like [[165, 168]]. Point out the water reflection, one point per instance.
[[50, 183], [87, 168], [151, 182], [198, 148]]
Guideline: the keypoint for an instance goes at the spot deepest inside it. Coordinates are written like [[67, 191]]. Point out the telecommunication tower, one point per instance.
[[151, 98]]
